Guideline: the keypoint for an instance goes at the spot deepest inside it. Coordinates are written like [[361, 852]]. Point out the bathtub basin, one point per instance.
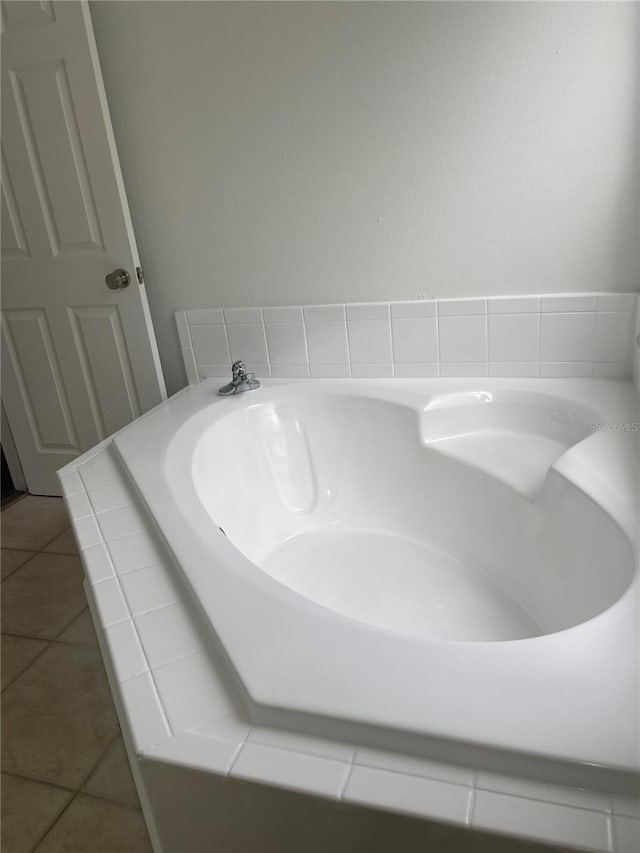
[[430, 566]]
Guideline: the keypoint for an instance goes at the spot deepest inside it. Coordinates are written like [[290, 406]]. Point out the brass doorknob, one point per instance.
[[118, 279]]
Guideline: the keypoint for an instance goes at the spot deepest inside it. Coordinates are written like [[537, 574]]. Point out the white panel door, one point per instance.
[[79, 360]]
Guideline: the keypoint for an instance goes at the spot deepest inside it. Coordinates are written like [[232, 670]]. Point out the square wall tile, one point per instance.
[[286, 343], [463, 339], [327, 343], [209, 344], [415, 340], [567, 337], [513, 337], [370, 341], [613, 337], [247, 342]]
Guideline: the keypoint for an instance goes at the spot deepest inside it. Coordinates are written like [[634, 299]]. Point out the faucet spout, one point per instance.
[[241, 380]]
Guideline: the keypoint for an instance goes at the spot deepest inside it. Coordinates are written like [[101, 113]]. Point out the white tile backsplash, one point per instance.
[[286, 342], [327, 342], [210, 344], [567, 337], [370, 342], [613, 331], [463, 338], [247, 342], [415, 340], [559, 335], [513, 337]]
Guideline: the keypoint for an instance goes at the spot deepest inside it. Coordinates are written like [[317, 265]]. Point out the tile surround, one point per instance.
[[558, 335], [184, 712]]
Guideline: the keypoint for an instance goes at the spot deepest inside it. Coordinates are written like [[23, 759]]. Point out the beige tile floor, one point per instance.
[[66, 784]]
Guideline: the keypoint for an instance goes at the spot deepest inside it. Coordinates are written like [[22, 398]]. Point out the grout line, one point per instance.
[[471, 801], [30, 664], [104, 799], [611, 844], [22, 776], [266, 342], [21, 566], [347, 775], [77, 791], [236, 754]]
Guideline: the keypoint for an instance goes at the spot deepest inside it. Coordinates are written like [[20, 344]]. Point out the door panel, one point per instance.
[[81, 360], [106, 366]]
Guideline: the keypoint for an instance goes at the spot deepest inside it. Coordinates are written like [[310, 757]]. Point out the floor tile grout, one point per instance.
[[28, 666], [74, 792]]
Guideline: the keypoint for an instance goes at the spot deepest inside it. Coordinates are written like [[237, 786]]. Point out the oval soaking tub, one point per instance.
[[440, 522], [443, 567]]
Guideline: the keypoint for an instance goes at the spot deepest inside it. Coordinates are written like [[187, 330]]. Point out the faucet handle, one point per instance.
[[238, 369]]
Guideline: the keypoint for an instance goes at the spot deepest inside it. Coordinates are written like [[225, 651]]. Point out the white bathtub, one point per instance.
[[445, 568]]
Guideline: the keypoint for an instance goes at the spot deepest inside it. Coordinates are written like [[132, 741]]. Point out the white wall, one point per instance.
[[311, 152]]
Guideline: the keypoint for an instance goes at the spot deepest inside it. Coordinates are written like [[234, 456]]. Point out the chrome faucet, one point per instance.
[[240, 381]]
